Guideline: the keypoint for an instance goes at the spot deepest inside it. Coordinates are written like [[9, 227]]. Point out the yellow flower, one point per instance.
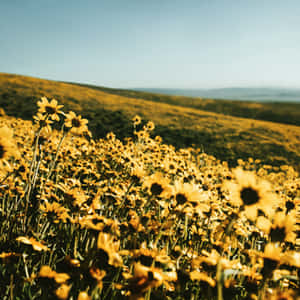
[[98, 275], [55, 210], [50, 108], [251, 193], [202, 276], [291, 258], [187, 198], [59, 278], [34, 243], [283, 228], [136, 120], [7, 144], [145, 278], [83, 296], [43, 121], [62, 292], [107, 244], [76, 123], [158, 185], [149, 126], [76, 196]]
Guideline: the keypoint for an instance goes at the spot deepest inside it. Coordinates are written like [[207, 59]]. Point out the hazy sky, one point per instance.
[[153, 43]]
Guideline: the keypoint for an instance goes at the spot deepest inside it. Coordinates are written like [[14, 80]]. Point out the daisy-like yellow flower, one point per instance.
[[50, 108], [149, 126], [59, 278], [76, 196], [202, 276], [33, 242], [55, 210], [136, 120], [7, 144], [62, 292], [187, 195], [137, 173], [283, 228], [145, 278], [158, 185], [110, 247], [76, 123], [148, 256], [98, 275], [43, 121], [251, 193]]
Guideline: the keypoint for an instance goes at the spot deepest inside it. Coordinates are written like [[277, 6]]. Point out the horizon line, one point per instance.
[[254, 86]]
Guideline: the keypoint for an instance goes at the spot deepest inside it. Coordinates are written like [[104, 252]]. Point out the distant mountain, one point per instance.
[[250, 94]]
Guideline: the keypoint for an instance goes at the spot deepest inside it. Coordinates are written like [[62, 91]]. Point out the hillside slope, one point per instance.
[[280, 112], [226, 137]]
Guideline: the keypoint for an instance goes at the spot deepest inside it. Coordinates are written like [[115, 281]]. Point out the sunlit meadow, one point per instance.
[[137, 219]]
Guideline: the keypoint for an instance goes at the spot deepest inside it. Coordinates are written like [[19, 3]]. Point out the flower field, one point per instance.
[[85, 218]]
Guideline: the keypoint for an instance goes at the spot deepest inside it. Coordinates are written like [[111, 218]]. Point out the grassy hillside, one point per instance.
[[226, 137], [281, 112]]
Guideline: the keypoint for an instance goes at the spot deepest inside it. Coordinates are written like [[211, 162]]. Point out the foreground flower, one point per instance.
[[43, 121], [83, 296], [202, 276], [51, 108], [7, 145], [98, 275], [283, 228], [187, 198], [34, 243], [251, 194], [110, 248], [145, 278], [76, 123], [158, 185], [47, 272], [62, 292], [55, 210]]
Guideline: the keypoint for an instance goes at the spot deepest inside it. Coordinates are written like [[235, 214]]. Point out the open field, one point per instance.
[[136, 219], [226, 137]]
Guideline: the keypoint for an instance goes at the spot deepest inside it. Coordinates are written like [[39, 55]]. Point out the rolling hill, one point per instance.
[[274, 111], [180, 121]]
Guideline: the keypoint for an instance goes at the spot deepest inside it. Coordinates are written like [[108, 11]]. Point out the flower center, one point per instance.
[[249, 196], [156, 189], [2, 151], [181, 198], [50, 110], [76, 122]]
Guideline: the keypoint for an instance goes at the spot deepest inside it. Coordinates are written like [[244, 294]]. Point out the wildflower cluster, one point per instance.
[[137, 219]]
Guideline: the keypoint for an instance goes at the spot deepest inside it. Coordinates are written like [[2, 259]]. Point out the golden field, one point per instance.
[[86, 218], [224, 136]]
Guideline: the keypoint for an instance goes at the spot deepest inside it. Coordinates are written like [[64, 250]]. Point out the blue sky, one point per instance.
[[153, 43]]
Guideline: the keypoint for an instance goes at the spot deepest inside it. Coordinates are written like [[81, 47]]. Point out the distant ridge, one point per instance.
[[267, 94]]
